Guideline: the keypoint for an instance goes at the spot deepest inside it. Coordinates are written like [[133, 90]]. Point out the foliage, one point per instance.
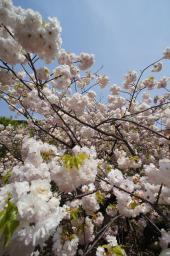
[[74, 161], [8, 221], [9, 121]]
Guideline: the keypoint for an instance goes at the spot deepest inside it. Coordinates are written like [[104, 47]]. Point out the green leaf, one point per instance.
[[9, 121], [134, 158], [105, 246], [9, 229], [2, 219], [133, 204], [117, 250], [75, 212], [18, 85], [112, 206], [5, 178], [100, 197], [8, 221], [108, 168], [150, 78], [74, 161]]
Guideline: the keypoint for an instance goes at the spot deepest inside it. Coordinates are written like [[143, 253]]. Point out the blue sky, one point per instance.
[[123, 34]]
